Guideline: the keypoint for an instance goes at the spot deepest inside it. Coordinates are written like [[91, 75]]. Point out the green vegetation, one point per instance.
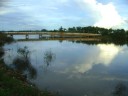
[[4, 38], [12, 83], [48, 57], [115, 34], [22, 63], [120, 90]]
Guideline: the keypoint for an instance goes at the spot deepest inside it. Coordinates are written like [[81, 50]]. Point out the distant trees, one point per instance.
[[73, 29], [89, 29], [119, 33], [115, 34], [127, 35], [61, 29], [44, 30], [4, 38]]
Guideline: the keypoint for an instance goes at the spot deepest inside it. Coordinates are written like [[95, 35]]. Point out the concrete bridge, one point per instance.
[[55, 34]]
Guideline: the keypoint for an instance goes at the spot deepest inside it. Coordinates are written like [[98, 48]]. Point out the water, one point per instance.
[[74, 69]]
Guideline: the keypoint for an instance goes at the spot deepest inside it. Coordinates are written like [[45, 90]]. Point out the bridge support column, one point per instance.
[[27, 36], [40, 36], [52, 36]]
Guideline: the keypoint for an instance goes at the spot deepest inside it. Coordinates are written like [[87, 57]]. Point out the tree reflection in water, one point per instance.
[[1, 51], [49, 57], [22, 63], [120, 90]]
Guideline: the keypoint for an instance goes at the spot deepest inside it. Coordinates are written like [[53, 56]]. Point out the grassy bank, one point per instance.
[[4, 39], [12, 83]]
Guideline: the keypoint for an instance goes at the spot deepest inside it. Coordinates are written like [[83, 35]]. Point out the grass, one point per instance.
[[13, 83]]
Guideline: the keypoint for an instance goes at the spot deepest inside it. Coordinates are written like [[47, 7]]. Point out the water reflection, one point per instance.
[[22, 63], [104, 55], [75, 69], [108, 53], [49, 57], [120, 90], [1, 51], [95, 42]]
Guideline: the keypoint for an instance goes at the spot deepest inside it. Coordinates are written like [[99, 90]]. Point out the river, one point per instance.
[[73, 68]]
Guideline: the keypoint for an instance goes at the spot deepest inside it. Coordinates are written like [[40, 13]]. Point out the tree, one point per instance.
[[120, 90], [44, 30], [22, 62], [61, 29]]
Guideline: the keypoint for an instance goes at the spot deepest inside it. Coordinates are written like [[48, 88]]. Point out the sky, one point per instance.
[[51, 14]]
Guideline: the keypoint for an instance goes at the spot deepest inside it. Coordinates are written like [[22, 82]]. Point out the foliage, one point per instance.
[[48, 57], [115, 34], [24, 53], [1, 52], [4, 38], [120, 90], [13, 84], [22, 62]]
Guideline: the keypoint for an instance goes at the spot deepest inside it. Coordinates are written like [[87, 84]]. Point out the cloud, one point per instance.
[[109, 16], [4, 7], [126, 21], [50, 14], [3, 2], [108, 53], [4, 11], [105, 15], [104, 56]]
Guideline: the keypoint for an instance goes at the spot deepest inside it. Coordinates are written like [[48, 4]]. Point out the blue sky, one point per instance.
[[51, 14]]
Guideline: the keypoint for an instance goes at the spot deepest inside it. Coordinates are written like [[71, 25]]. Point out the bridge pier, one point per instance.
[[27, 36], [40, 36], [52, 35]]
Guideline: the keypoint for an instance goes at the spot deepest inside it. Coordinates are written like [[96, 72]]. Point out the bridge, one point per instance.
[[55, 34]]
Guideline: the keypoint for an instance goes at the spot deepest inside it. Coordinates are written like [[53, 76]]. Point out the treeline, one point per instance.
[[109, 33], [4, 38], [115, 34]]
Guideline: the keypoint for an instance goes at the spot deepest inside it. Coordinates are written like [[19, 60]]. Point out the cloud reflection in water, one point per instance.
[[105, 55]]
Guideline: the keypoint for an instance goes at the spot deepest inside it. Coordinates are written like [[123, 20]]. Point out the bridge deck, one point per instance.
[[52, 33]]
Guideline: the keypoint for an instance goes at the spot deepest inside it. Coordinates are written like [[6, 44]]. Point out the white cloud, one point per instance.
[[4, 11], [105, 15], [105, 56], [49, 14], [53, 13], [109, 16]]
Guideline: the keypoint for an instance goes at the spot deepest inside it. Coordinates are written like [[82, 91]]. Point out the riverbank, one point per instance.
[[12, 83]]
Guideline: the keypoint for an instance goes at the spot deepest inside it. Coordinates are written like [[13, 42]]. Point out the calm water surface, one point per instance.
[[75, 69]]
